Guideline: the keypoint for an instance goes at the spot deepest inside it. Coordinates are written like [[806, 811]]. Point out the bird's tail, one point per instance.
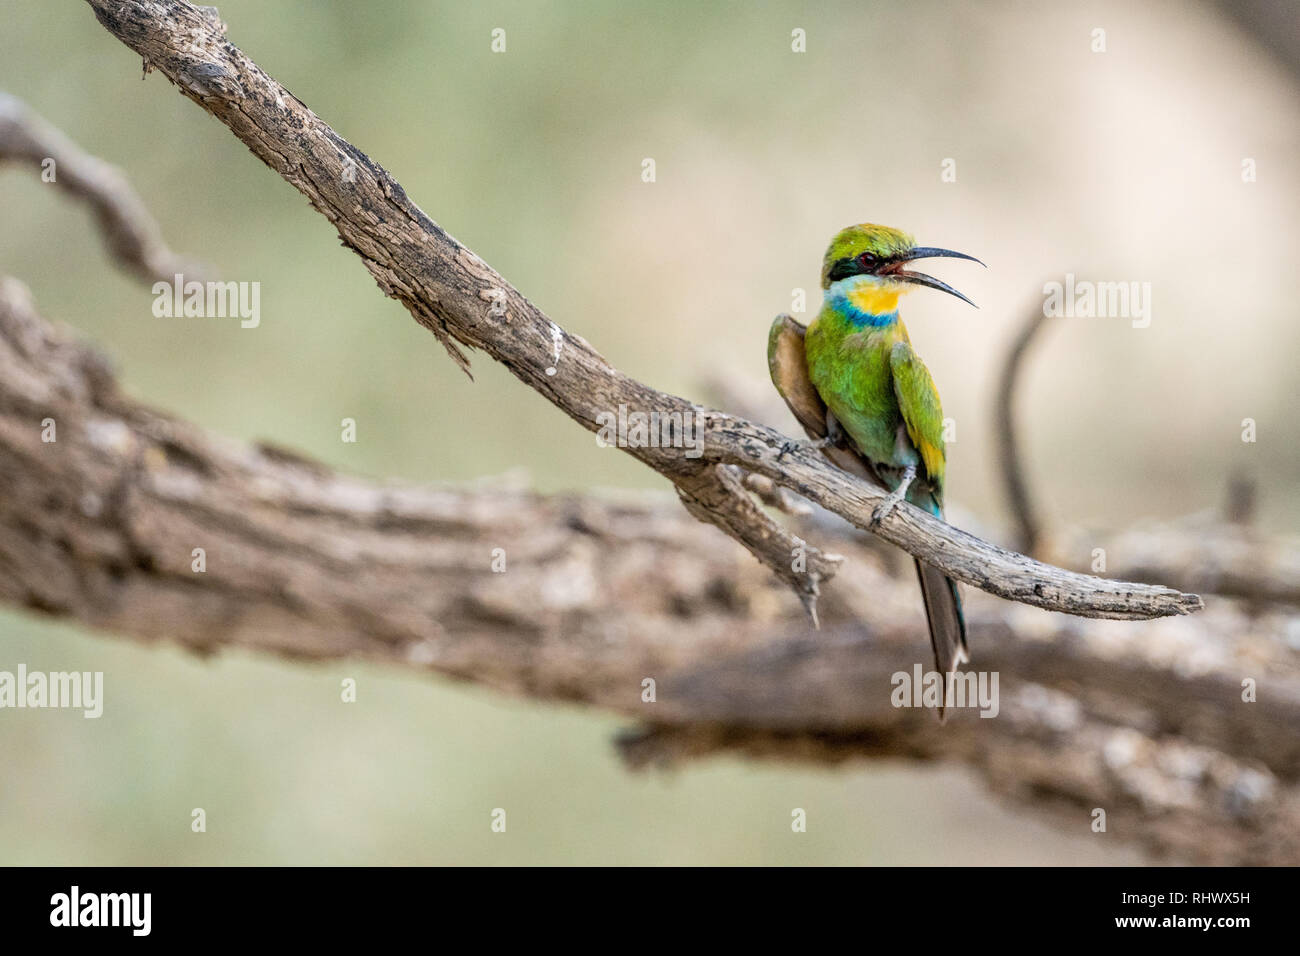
[[947, 623]]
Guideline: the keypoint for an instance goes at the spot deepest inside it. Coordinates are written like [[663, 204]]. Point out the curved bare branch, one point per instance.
[[467, 304]]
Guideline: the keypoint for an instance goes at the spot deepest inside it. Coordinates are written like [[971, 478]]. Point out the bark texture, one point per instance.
[[599, 595], [465, 303]]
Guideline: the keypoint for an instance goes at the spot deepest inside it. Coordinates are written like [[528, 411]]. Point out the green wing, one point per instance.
[[919, 401]]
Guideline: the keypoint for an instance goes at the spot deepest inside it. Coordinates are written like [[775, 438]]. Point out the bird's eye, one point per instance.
[[867, 260]]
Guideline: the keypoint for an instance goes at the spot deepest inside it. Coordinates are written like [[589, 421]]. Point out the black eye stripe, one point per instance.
[[864, 263], [843, 269]]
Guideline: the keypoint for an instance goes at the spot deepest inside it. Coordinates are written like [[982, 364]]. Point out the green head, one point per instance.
[[878, 254]]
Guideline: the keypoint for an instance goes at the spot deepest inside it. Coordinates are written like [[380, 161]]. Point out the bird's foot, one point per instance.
[[801, 444], [883, 509]]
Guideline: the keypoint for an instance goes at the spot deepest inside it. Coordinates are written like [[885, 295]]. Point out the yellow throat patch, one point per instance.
[[876, 298]]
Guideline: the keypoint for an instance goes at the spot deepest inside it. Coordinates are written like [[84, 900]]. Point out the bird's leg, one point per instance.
[[885, 507], [833, 436], [833, 431]]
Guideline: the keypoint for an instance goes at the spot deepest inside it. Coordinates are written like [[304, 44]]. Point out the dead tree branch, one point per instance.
[[1204, 552], [133, 238], [100, 526], [466, 304]]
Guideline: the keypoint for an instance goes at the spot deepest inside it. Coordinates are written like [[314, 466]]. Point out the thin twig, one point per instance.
[[1007, 431], [133, 238]]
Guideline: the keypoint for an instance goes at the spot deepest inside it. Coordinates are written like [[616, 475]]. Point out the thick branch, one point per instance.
[[595, 596], [464, 302]]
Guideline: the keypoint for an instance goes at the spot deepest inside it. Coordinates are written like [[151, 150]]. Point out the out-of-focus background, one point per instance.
[[1117, 165]]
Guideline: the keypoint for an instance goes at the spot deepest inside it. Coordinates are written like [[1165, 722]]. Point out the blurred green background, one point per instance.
[[1122, 165]]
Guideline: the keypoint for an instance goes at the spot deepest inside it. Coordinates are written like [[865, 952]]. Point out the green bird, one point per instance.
[[879, 398]]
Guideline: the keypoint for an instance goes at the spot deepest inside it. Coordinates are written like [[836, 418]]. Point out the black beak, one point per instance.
[[920, 278]]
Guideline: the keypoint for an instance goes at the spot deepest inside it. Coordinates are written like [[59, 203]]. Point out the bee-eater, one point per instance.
[[880, 398]]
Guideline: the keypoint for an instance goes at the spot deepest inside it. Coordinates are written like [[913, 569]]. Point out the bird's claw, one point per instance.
[[883, 509]]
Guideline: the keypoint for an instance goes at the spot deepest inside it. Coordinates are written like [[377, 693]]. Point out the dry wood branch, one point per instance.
[[464, 302], [1201, 552], [99, 527], [133, 238]]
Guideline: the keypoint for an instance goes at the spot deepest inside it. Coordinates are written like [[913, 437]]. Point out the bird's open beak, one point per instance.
[[920, 278]]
